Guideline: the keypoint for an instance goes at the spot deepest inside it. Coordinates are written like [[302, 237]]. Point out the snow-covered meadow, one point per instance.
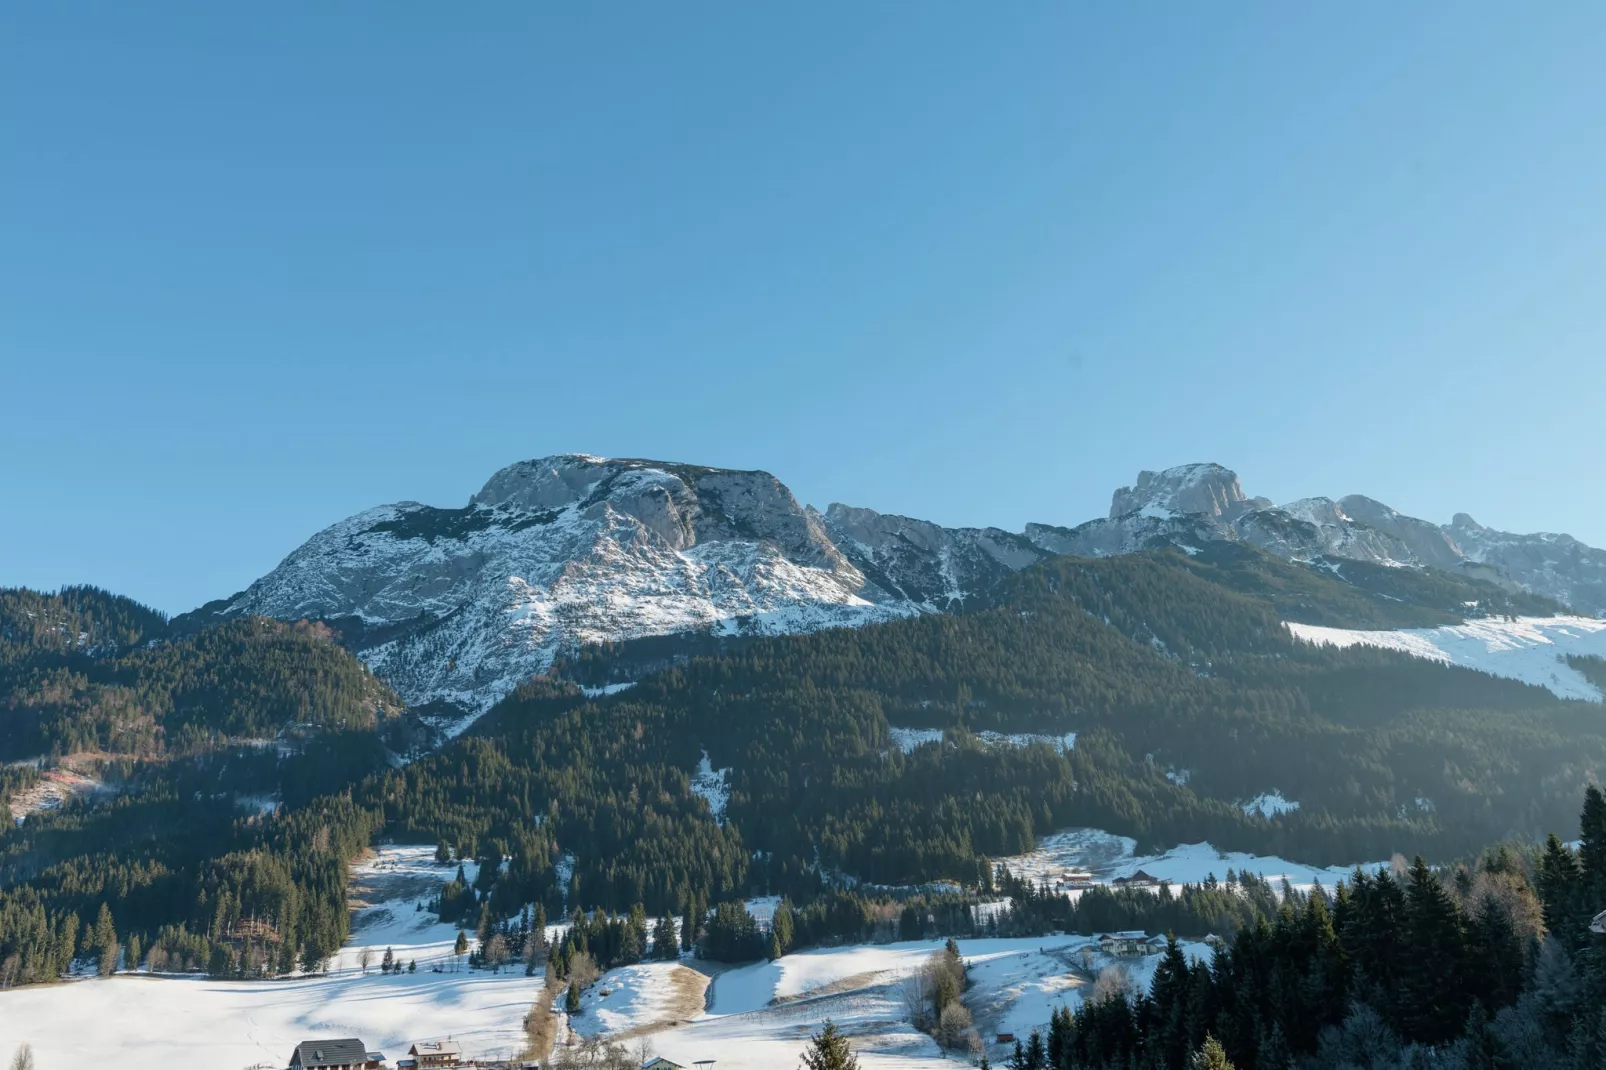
[[1107, 856], [760, 1016], [1530, 649], [141, 1022], [755, 1016]]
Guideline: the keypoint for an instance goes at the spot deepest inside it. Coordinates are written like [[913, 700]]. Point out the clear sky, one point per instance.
[[262, 266]]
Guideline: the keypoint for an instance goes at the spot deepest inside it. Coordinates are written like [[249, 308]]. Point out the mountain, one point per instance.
[[454, 607], [1190, 505]]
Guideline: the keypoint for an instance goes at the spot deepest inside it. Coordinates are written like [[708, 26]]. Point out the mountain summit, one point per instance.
[[454, 607]]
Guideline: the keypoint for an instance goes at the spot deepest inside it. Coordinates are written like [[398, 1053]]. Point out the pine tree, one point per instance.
[[828, 1050], [1592, 850], [105, 941], [1561, 890], [1432, 1011], [1210, 1056], [571, 1003], [783, 924]]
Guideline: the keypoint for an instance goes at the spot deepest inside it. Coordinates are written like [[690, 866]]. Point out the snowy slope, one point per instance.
[[457, 606], [1530, 649]]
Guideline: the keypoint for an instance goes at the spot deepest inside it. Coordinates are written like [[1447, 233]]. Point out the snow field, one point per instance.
[[1530, 649], [1107, 856], [907, 739]]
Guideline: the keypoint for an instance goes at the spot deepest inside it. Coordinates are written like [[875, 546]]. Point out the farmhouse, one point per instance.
[[1140, 879], [1125, 944], [345, 1054], [430, 1054]]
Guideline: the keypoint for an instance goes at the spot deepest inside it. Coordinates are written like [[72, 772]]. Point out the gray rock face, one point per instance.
[[1556, 565], [1184, 505], [1425, 541], [1203, 489], [924, 563]]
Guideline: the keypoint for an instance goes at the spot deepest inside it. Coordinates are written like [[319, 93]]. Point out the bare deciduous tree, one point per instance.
[[1112, 981], [23, 1060]]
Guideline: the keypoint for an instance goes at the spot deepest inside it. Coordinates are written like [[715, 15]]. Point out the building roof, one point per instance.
[[435, 1047], [310, 1053]]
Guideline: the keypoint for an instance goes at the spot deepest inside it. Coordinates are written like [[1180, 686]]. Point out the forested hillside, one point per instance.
[[83, 670], [1186, 694], [184, 742]]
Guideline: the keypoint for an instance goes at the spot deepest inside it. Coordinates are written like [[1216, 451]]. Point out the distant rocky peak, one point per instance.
[[548, 482], [1206, 489]]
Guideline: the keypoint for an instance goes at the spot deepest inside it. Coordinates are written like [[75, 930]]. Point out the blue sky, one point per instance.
[[267, 265]]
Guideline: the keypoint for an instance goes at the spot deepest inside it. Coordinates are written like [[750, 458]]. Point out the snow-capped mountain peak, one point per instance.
[[457, 606]]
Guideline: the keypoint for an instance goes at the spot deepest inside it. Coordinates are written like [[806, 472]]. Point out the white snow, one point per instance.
[[141, 1022], [511, 586], [907, 739], [1063, 742], [759, 1016], [1270, 804], [635, 996], [1530, 649], [607, 689], [1107, 856], [712, 786]]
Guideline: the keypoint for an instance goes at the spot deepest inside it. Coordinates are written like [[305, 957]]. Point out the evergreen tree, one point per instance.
[[105, 941], [1592, 850], [1431, 1010], [828, 1050], [1210, 1056], [783, 924], [571, 1003]]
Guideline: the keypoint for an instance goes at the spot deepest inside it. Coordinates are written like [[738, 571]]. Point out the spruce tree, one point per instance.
[[1561, 890], [1592, 850], [1432, 1010], [828, 1050], [1210, 1056]]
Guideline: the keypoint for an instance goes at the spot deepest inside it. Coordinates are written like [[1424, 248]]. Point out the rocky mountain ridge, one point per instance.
[[453, 607]]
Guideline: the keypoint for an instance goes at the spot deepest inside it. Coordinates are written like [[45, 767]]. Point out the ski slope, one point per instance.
[[1530, 649]]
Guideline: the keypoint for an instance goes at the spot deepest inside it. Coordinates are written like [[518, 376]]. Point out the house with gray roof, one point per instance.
[[343, 1054]]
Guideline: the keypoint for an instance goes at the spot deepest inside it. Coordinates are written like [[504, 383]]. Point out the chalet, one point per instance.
[[1215, 941], [660, 1063], [1155, 944], [1005, 1038], [1125, 944], [347, 1054], [1140, 879], [430, 1054]]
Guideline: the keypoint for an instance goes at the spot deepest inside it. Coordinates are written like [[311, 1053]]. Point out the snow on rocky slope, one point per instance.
[[454, 607], [1531, 649]]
